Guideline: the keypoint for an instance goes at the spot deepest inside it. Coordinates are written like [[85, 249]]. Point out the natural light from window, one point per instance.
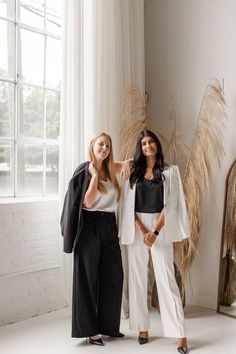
[[30, 79]]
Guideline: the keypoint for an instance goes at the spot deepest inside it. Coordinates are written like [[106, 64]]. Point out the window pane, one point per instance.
[[6, 110], [53, 17], [7, 49], [30, 169], [6, 170], [29, 96], [32, 54], [31, 117], [32, 12], [7, 8], [53, 63], [52, 114], [52, 162]]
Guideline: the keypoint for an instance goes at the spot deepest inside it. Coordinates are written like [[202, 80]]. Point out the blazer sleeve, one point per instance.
[[176, 227], [182, 209], [69, 216]]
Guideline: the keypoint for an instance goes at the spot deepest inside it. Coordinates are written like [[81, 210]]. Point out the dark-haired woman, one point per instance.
[[153, 216]]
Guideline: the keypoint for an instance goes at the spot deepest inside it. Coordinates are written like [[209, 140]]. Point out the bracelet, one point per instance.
[[156, 232]]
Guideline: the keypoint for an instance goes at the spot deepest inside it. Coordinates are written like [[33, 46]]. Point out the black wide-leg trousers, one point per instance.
[[97, 277]]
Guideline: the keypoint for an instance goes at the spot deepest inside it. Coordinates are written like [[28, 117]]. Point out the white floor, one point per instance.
[[208, 333], [231, 310]]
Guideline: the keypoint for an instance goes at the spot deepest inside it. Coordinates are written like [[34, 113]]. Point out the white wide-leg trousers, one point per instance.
[[171, 309]]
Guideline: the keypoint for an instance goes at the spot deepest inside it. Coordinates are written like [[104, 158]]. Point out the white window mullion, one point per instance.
[[44, 169], [15, 138], [17, 10], [45, 109], [45, 15], [17, 95]]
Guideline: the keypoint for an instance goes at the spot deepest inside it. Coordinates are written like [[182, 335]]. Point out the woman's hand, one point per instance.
[[125, 169], [92, 170], [149, 238]]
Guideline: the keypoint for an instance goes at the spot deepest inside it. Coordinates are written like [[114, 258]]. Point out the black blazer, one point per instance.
[[71, 218]]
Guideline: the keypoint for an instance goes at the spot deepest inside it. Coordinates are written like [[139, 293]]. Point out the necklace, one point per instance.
[[148, 177], [148, 173]]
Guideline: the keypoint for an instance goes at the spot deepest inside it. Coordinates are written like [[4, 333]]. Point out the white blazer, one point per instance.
[[176, 227]]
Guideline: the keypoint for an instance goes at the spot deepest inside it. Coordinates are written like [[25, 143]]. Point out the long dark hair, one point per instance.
[[139, 166]]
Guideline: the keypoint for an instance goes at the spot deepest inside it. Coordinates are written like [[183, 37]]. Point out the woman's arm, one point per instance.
[[139, 225], [90, 194], [123, 167], [160, 222]]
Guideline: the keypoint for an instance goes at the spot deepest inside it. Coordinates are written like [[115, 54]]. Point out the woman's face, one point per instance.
[[148, 146], [101, 148]]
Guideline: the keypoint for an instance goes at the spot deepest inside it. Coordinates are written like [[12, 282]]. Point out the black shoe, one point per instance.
[[143, 340], [117, 335], [182, 350], [96, 341]]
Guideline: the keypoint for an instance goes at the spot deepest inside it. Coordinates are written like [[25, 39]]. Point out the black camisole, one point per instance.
[[149, 196]]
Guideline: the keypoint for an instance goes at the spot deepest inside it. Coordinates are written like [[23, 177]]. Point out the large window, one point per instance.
[[30, 72]]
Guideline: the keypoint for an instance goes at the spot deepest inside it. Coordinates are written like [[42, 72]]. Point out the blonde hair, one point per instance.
[[108, 166]]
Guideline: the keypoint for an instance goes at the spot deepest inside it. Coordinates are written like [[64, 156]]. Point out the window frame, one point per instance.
[[15, 140]]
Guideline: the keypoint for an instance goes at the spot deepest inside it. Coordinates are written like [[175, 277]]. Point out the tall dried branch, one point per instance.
[[206, 148], [173, 144], [134, 119], [229, 230]]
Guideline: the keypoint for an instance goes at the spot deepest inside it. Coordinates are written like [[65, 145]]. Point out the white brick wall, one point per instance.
[[30, 260]]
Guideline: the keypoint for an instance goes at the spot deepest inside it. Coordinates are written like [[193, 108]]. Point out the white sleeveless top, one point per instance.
[[105, 202]]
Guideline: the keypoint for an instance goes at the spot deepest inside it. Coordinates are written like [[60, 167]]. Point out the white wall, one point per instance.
[[187, 42], [30, 260]]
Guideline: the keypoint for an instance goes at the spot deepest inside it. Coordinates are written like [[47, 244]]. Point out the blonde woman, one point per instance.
[[89, 228]]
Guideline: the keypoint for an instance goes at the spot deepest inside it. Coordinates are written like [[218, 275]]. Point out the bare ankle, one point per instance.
[[143, 334], [96, 336], [182, 342]]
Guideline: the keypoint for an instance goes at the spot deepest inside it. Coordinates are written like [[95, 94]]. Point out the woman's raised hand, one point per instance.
[[125, 168], [92, 170]]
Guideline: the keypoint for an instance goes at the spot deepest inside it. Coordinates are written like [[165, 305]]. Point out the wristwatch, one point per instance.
[[156, 232]]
